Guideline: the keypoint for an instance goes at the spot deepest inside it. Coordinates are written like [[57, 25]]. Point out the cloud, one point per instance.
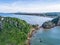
[[30, 7]]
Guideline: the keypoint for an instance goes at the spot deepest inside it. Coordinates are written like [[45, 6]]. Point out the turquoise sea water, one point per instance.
[[46, 37]]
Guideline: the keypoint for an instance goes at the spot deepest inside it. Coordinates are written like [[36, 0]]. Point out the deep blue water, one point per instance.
[[42, 36]]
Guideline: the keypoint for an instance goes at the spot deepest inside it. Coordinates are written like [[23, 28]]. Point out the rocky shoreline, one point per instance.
[[30, 34]]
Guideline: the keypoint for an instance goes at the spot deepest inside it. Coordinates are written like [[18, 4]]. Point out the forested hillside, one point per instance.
[[13, 31]]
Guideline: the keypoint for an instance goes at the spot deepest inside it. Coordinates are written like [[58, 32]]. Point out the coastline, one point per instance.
[[30, 34]]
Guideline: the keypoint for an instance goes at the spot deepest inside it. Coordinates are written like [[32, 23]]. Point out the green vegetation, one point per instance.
[[13, 31], [36, 26]]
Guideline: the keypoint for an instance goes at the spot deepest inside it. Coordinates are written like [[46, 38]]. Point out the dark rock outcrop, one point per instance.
[[56, 21], [52, 23], [48, 25]]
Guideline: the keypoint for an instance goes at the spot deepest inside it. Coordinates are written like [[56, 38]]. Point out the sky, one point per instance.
[[30, 6]]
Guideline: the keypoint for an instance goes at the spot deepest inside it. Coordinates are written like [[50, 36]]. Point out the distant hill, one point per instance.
[[49, 14]]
